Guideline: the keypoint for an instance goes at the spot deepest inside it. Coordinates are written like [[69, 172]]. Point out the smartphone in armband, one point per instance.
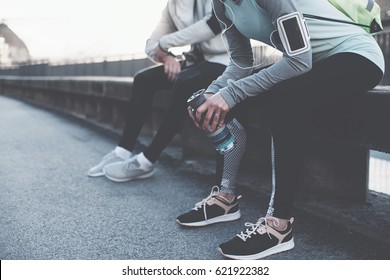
[[293, 33]]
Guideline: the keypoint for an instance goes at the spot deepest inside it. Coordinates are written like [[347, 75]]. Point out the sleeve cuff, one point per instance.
[[163, 49], [228, 98]]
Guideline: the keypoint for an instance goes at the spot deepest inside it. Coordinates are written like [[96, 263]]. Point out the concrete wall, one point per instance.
[[337, 159], [127, 68], [119, 68]]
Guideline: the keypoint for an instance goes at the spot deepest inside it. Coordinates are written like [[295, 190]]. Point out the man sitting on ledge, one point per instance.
[[182, 23]]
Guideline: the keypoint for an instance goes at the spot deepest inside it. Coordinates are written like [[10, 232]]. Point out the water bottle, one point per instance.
[[221, 138]]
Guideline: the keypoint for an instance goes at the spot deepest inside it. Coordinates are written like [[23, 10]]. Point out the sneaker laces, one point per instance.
[[131, 163], [261, 223], [214, 192], [200, 204]]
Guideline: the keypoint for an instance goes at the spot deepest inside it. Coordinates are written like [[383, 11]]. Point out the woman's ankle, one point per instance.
[[277, 223], [228, 196]]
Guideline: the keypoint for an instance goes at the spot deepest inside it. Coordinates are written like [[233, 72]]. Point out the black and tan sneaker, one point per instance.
[[213, 209], [259, 240]]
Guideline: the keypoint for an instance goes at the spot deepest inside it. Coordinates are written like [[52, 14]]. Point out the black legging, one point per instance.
[[341, 77], [146, 83]]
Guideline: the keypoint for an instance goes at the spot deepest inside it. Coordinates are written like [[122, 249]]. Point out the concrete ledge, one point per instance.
[[100, 98]]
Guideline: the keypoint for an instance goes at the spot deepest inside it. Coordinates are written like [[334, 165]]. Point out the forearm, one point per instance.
[[239, 90], [195, 33]]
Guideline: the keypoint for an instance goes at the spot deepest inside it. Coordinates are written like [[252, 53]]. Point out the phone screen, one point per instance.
[[293, 34]]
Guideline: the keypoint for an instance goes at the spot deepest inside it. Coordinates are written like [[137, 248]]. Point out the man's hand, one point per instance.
[[171, 64], [171, 67]]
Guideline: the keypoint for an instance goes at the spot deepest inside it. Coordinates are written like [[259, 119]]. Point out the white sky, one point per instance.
[[72, 29]]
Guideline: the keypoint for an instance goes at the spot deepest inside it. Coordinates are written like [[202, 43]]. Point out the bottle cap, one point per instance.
[[196, 99]]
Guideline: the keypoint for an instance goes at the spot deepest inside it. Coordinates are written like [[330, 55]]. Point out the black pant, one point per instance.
[[150, 80], [339, 78]]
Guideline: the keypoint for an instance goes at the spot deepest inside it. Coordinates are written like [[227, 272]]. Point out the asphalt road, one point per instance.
[[50, 209]]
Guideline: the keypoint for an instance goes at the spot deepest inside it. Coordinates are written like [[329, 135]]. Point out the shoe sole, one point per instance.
[[225, 218], [273, 250], [143, 176], [95, 174], [101, 173]]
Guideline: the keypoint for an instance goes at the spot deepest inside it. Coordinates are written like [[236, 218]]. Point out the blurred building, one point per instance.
[[12, 49], [385, 10]]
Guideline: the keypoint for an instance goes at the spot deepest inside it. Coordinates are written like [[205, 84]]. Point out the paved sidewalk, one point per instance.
[[50, 209]]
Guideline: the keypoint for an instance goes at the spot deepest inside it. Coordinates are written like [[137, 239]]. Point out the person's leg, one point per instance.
[[228, 163], [222, 203], [340, 77], [146, 82]]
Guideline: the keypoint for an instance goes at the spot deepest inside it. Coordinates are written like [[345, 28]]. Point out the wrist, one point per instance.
[[162, 49], [230, 101], [165, 51]]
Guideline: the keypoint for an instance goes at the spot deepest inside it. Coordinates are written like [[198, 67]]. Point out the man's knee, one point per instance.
[[147, 76]]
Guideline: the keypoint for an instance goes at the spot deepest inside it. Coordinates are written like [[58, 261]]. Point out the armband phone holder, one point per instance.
[[293, 33]]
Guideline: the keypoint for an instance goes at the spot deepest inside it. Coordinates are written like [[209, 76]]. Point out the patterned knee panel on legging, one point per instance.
[[230, 161]]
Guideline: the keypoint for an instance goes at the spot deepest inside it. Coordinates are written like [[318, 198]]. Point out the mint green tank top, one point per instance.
[[250, 19]]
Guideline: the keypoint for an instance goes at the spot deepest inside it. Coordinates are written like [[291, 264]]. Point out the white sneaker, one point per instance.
[[109, 158], [127, 170]]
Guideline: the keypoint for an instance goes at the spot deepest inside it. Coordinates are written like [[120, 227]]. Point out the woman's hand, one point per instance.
[[215, 109]]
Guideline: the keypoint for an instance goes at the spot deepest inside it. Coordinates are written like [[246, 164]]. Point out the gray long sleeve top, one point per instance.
[[256, 19]]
